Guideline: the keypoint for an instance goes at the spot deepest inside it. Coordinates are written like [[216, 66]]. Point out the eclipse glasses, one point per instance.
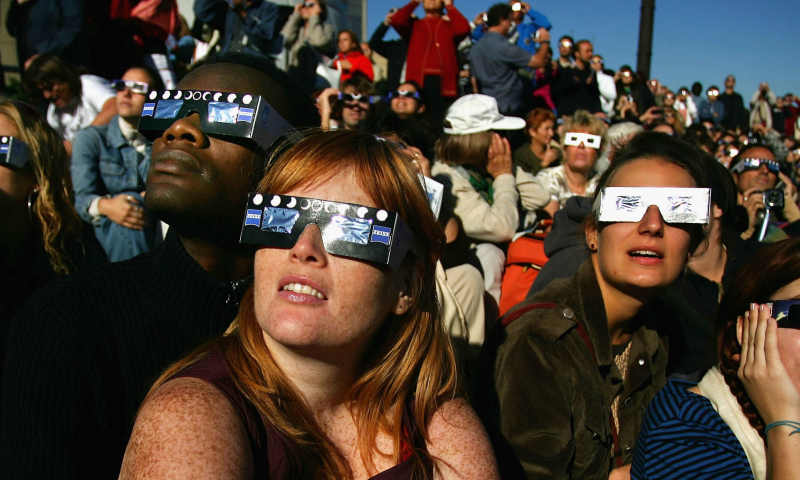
[[588, 140], [14, 152], [357, 97], [677, 205], [233, 115], [403, 93], [786, 313], [348, 230], [747, 164], [136, 87]]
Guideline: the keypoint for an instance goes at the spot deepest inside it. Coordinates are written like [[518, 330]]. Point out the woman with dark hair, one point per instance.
[[40, 232], [76, 100], [538, 153], [740, 421], [351, 59], [306, 37], [566, 376], [633, 93], [338, 364]]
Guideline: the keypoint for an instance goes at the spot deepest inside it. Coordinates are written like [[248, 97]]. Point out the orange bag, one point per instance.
[[524, 259]]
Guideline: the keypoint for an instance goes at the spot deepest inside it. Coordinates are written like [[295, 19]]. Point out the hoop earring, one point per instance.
[[31, 202]]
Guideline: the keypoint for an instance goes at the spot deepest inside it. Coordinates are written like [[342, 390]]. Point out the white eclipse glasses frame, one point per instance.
[[676, 205], [588, 140]]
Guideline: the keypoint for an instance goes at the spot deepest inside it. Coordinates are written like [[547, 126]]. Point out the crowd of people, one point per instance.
[[262, 248]]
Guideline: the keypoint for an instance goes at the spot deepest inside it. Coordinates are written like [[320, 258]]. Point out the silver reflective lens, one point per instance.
[[676, 205], [223, 112], [167, 109], [348, 229], [279, 220]]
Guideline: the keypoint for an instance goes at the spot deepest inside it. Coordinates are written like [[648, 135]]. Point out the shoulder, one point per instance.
[[459, 441], [676, 410], [92, 133], [188, 428]]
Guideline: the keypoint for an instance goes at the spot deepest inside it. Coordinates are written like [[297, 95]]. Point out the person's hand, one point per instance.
[[551, 154], [499, 157], [650, 115], [325, 99], [346, 65], [790, 209], [298, 7], [621, 473], [447, 3], [124, 210], [479, 19], [752, 201], [388, 20], [761, 371], [420, 161], [760, 128], [525, 7]]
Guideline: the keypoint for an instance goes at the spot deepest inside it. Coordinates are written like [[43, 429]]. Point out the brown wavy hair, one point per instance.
[[55, 214], [409, 372], [769, 270], [536, 117]]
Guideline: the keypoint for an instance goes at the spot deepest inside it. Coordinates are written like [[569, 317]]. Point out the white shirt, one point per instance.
[[81, 112]]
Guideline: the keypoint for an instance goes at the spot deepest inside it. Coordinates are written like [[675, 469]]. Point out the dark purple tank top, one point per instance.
[[272, 455]]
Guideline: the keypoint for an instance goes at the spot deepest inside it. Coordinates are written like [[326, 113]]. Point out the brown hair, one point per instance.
[[471, 149], [55, 214], [536, 118], [353, 38], [769, 270], [411, 368], [49, 68], [583, 120], [678, 126]]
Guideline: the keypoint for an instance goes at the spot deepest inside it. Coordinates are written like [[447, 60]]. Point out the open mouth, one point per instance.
[[645, 254], [305, 289]]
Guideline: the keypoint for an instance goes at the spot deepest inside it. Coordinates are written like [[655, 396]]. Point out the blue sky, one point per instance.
[[692, 40]]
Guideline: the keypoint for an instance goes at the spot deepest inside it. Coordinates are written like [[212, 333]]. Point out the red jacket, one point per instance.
[[432, 36], [361, 65]]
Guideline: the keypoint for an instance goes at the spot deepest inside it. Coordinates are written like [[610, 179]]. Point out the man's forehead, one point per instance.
[[230, 77], [757, 152]]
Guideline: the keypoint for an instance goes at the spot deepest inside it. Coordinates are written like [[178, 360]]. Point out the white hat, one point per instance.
[[477, 113]]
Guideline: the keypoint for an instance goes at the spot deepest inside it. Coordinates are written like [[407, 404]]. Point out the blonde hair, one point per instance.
[[410, 369], [471, 149], [55, 214], [583, 120]]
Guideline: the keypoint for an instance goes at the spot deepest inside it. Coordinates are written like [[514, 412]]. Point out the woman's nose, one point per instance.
[[652, 223], [309, 247]]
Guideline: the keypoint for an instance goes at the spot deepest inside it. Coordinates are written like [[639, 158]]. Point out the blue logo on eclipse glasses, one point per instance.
[[253, 217], [381, 234]]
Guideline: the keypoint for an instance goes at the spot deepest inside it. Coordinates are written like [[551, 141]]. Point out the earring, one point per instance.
[[591, 246], [31, 201]]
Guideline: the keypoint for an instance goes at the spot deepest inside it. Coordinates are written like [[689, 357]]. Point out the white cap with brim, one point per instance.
[[478, 113]]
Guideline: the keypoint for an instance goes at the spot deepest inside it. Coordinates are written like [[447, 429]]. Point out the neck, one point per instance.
[[621, 307], [323, 379], [580, 63], [132, 122], [538, 148], [728, 90], [433, 13], [225, 261], [711, 262], [12, 238], [576, 179], [498, 29]]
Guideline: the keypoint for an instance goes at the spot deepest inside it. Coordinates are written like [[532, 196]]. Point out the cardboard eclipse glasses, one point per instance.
[[677, 205], [14, 152], [747, 164], [226, 114], [588, 140], [136, 87], [348, 230]]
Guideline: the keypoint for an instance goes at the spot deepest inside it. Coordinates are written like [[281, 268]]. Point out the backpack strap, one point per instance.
[[508, 319]]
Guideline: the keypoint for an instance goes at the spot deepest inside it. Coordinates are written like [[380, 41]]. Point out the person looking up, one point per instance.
[[576, 88], [351, 59], [711, 110], [432, 60], [91, 344], [761, 104], [565, 51], [605, 84], [741, 419], [109, 169], [525, 35], [306, 37], [735, 114], [395, 51], [75, 101], [352, 108], [565, 377]]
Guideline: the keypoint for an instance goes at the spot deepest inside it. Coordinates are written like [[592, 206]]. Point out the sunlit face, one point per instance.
[[58, 93], [15, 183], [565, 47], [354, 113], [596, 63], [580, 158], [406, 106], [585, 51], [789, 338], [358, 296], [543, 134], [761, 179], [129, 104], [648, 254], [346, 43]]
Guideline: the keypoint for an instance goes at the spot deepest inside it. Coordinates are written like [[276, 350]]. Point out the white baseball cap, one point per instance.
[[477, 113]]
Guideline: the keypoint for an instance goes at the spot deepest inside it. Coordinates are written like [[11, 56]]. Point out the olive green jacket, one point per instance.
[[546, 401]]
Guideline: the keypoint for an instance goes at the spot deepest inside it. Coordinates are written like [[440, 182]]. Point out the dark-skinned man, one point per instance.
[[84, 352]]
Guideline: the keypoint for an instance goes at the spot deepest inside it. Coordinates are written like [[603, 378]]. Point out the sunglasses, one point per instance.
[[731, 152], [713, 93], [669, 115], [786, 313], [357, 97], [233, 115], [348, 230], [669, 97], [748, 164], [626, 74], [136, 87], [404, 93], [629, 204], [309, 4], [566, 44], [684, 92], [595, 62], [588, 140], [14, 152]]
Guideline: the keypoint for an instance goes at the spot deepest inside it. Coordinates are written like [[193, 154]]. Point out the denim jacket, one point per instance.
[[104, 163]]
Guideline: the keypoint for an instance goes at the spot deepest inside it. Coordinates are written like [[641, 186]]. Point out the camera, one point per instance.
[[773, 199]]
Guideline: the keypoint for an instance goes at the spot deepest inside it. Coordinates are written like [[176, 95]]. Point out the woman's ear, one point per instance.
[[403, 304], [404, 298], [591, 237], [716, 211], [739, 335]]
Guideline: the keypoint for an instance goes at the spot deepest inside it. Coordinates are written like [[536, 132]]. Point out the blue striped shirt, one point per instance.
[[684, 437]]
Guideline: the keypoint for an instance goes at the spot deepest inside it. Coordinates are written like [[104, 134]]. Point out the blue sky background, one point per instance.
[[692, 40]]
